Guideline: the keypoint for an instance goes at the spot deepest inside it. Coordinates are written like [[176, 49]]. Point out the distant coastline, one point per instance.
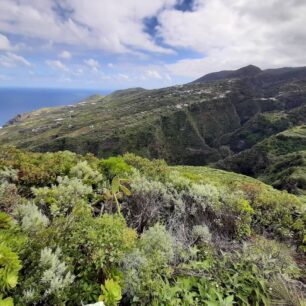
[[14, 101]]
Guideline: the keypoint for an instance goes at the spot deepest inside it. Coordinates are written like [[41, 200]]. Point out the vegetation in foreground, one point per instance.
[[129, 231]]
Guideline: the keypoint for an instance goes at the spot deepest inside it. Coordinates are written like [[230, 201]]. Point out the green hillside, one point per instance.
[[240, 120]]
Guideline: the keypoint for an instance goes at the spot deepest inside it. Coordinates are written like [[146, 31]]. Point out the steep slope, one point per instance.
[[234, 116], [279, 160]]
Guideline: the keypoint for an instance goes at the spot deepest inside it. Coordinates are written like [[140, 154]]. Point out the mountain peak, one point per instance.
[[244, 72], [249, 70]]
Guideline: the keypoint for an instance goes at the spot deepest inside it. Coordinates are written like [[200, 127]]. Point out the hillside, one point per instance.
[[128, 231], [228, 115]]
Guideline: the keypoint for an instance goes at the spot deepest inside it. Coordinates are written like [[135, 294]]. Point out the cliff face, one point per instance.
[[230, 117]]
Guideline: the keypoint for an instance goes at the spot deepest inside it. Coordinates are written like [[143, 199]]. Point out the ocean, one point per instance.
[[14, 101]]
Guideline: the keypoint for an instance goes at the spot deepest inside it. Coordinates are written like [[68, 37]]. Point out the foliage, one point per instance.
[[155, 169], [9, 197], [49, 281], [10, 264], [6, 301], [179, 236], [116, 191], [36, 169], [115, 166], [30, 218], [9, 268], [111, 293], [83, 171], [60, 199]]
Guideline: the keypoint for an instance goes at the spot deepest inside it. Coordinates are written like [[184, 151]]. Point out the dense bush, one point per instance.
[[130, 231]]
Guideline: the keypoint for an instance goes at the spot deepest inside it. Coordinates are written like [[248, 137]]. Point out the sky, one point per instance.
[[113, 44]]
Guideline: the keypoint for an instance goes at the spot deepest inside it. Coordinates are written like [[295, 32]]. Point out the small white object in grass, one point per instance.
[[96, 304], [179, 106]]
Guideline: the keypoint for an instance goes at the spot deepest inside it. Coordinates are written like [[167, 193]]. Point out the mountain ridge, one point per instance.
[[199, 123]]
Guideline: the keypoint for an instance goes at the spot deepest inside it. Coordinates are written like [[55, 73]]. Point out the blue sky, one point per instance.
[[112, 44]]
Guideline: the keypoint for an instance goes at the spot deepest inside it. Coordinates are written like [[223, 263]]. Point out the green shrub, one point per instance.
[[111, 293], [94, 246], [115, 166], [11, 243], [154, 169], [10, 265], [37, 169], [146, 267]]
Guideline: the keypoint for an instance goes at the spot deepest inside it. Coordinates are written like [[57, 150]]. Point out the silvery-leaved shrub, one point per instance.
[[50, 282], [201, 233], [60, 199], [30, 217], [83, 171], [8, 175], [149, 263]]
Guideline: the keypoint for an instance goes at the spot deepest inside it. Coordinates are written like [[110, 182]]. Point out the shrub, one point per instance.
[[201, 233], [8, 175], [11, 242], [111, 293], [49, 281], [10, 265], [94, 246], [37, 169], [146, 267], [83, 171], [31, 218], [271, 258], [153, 169], [278, 215], [60, 199], [115, 166], [9, 197]]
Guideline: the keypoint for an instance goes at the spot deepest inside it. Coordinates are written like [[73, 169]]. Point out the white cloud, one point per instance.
[[56, 64], [116, 26], [65, 55], [11, 60], [93, 64], [222, 34], [231, 33], [123, 76], [4, 43], [153, 74]]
